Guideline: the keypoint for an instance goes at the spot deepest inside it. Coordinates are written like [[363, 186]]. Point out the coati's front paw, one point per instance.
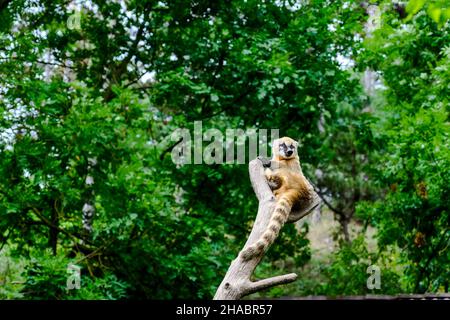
[[265, 162], [274, 182]]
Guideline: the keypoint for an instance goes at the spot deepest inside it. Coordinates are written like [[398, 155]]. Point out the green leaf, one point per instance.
[[434, 12], [413, 7], [214, 97]]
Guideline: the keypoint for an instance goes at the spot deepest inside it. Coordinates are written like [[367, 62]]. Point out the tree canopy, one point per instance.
[[91, 91]]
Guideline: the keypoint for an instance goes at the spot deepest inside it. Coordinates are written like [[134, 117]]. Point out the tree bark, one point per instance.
[[88, 209], [53, 232], [237, 281]]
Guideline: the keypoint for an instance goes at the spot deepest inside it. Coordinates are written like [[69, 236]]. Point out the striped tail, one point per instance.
[[277, 220]]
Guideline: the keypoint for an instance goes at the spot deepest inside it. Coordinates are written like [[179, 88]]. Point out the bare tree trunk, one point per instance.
[[344, 223], [236, 283], [53, 232], [89, 204]]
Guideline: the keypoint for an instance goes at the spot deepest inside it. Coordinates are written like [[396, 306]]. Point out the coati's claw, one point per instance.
[[265, 162]]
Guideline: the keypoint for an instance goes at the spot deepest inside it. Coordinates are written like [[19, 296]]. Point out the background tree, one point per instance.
[[413, 59], [86, 174]]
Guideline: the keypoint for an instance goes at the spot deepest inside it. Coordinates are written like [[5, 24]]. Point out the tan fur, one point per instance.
[[290, 188]]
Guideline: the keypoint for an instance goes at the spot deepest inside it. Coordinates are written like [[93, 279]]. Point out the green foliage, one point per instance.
[[297, 255], [438, 10], [98, 104], [415, 159], [292, 244], [10, 276], [347, 274], [46, 279]]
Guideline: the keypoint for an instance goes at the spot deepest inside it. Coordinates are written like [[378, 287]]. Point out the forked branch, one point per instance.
[[237, 282]]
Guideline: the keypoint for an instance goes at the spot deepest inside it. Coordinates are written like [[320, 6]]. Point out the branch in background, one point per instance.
[[118, 71], [136, 80], [169, 149], [96, 251], [56, 64], [51, 225], [326, 202]]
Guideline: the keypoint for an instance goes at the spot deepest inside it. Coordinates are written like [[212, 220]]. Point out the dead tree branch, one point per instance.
[[237, 282]]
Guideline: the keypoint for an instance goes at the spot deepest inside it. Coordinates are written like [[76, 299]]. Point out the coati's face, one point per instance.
[[285, 147]]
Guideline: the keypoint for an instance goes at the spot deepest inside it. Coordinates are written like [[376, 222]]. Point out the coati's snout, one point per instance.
[[285, 148]]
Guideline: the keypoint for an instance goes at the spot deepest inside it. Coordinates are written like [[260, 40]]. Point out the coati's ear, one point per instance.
[[295, 143], [276, 142]]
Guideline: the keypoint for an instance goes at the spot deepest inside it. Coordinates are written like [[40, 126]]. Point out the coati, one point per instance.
[[290, 187]]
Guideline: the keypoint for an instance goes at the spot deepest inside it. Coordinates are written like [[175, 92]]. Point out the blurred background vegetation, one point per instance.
[[91, 90]]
